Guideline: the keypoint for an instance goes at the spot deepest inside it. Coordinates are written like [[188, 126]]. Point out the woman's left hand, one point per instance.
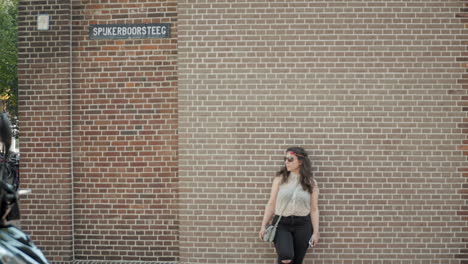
[[314, 240]]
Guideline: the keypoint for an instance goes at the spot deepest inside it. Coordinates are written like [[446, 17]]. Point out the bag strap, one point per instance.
[[286, 205]]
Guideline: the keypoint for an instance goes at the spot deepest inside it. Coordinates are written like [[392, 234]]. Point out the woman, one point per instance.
[[294, 195]]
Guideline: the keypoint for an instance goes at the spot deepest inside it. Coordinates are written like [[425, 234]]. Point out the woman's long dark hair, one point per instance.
[[306, 177]]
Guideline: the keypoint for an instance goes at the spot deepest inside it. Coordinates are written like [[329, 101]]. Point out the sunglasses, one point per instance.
[[289, 159]]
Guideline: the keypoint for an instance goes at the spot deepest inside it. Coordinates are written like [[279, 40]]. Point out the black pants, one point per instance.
[[292, 238]]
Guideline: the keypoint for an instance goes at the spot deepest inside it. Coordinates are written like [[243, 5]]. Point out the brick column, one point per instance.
[[463, 60], [44, 114], [124, 113], [125, 135]]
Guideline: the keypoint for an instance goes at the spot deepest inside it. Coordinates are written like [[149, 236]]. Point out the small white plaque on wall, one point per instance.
[[43, 22]]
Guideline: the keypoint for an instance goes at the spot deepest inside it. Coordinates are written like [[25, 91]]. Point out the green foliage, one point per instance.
[[9, 55]]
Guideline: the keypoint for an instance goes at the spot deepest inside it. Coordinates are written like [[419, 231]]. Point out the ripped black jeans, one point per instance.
[[292, 238]]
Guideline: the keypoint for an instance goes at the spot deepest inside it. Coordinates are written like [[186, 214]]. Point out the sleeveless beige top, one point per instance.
[[300, 203]]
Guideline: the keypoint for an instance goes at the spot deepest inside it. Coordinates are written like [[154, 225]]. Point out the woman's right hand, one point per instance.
[[261, 233]]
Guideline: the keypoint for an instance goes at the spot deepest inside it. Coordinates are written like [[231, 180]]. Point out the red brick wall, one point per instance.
[[124, 143], [125, 135], [369, 87], [463, 15], [44, 113]]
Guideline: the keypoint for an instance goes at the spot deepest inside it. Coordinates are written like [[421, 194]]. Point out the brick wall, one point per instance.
[[463, 15], [124, 130], [369, 87], [125, 135], [176, 141], [44, 114]]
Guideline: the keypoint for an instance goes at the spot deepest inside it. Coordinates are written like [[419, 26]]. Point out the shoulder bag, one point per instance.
[[270, 231]]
